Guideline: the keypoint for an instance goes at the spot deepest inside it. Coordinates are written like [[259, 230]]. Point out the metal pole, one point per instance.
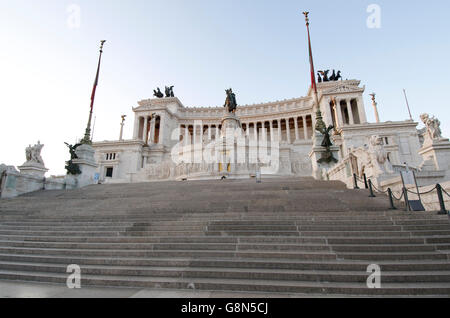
[[371, 190], [391, 200], [365, 182], [407, 104], [355, 182], [405, 194], [443, 211], [87, 135]]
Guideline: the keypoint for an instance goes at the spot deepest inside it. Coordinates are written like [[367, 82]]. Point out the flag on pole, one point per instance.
[[311, 62], [94, 89]]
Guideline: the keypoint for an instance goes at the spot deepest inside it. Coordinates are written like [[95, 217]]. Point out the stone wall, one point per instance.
[[13, 184]]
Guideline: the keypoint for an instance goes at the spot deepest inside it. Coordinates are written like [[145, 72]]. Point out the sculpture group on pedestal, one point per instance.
[[433, 127], [33, 155]]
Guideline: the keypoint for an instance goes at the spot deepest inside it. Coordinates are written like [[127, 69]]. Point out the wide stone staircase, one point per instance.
[[283, 236]]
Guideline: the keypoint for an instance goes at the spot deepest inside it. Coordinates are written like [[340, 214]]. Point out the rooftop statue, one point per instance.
[[230, 102], [157, 93], [169, 91], [323, 76]]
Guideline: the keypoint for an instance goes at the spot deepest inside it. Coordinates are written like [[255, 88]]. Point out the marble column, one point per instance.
[[162, 129], [201, 134], [145, 131], [350, 112], [361, 110], [209, 133], [186, 134], [305, 127], [271, 131], [288, 131], [296, 128], [151, 138], [137, 122], [279, 130]]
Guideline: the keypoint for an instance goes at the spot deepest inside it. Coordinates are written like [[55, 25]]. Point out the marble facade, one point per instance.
[[165, 129]]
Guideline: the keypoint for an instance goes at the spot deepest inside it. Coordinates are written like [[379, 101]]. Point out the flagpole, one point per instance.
[[407, 104], [316, 107], [87, 135]]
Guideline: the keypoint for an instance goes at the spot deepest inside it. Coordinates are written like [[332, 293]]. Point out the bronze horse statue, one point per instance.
[[230, 102]]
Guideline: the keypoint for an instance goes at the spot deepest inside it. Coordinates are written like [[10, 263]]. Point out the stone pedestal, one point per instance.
[[436, 155], [34, 169], [230, 122], [317, 153], [87, 165]]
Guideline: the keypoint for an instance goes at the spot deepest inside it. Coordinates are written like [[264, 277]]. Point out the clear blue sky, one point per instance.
[[202, 47]]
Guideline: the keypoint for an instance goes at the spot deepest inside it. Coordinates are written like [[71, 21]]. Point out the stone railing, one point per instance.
[[342, 172]]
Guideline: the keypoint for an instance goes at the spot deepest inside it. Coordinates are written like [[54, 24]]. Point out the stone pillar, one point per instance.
[[137, 121], [305, 127], [271, 131], [361, 110], [144, 133], [209, 133], [162, 129], [350, 112], [151, 138], [255, 130], [186, 134], [194, 133], [296, 129], [279, 130], [288, 131]]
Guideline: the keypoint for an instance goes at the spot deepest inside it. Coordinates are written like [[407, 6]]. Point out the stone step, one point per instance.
[[321, 255], [236, 284], [123, 216], [332, 265], [215, 227], [300, 254], [222, 273], [241, 246], [229, 239]]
